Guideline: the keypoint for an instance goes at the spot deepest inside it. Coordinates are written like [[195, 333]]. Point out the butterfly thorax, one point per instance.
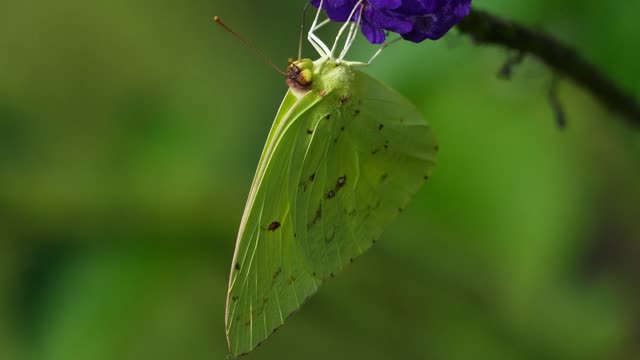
[[324, 75]]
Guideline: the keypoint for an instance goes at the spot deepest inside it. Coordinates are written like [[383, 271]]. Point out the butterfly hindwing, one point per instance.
[[379, 152]]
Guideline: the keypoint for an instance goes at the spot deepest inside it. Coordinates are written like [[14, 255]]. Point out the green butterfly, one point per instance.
[[344, 156]]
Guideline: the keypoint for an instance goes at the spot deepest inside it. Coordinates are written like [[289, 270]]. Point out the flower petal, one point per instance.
[[374, 34], [391, 21], [337, 10], [385, 4], [435, 25], [418, 7], [414, 20]]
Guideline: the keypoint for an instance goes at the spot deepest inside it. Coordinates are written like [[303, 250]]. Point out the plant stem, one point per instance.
[[485, 28]]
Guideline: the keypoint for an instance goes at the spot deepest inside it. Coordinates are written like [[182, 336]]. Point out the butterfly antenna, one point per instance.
[[302, 26], [247, 44]]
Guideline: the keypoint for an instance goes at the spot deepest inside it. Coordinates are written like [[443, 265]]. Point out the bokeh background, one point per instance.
[[130, 131]]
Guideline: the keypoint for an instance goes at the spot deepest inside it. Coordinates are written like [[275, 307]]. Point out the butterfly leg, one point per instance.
[[351, 37], [315, 41], [344, 27], [375, 55], [320, 47], [322, 24], [384, 46], [356, 63]]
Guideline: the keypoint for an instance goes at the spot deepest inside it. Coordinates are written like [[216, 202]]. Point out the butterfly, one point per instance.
[[343, 158]]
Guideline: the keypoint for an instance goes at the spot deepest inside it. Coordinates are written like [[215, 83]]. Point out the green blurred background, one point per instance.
[[130, 131]]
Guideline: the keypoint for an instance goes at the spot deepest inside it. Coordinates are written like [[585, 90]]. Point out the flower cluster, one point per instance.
[[414, 20]]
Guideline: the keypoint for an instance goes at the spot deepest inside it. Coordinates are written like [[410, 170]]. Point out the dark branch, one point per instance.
[[556, 105], [507, 69], [485, 28]]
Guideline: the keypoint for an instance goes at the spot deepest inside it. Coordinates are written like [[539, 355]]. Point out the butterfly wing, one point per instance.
[[380, 152], [335, 171], [268, 280]]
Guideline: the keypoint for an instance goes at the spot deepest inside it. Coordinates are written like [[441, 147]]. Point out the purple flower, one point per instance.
[[432, 19], [414, 20]]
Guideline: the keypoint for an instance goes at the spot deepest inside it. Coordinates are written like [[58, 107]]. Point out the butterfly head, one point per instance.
[[300, 76]]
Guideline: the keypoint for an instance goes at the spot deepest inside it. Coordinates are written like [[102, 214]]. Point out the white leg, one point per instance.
[[316, 46], [384, 46], [313, 39], [356, 63], [363, 64], [322, 24], [315, 20], [351, 37], [344, 27], [320, 47]]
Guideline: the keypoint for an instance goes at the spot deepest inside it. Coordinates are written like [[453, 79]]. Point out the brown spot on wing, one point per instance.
[[316, 218], [340, 183], [277, 273], [273, 226]]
